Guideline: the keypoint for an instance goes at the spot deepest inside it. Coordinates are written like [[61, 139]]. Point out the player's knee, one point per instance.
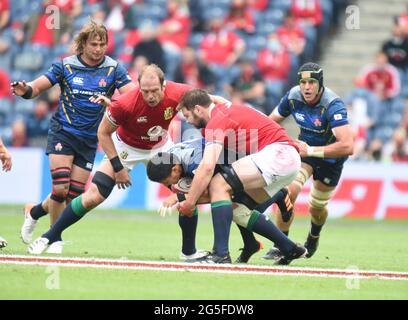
[[318, 200], [104, 185], [301, 178], [76, 188], [241, 215], [60, 183]]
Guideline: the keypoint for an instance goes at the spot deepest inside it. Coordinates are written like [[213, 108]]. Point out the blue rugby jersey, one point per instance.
[[78, 83], [315, 122], [189, 153]]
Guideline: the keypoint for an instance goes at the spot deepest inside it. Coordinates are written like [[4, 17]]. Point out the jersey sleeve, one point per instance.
[[283, 106], [337, 114], [116, 112], [215, 130], [178, 90], [55, 73], [122, 76]]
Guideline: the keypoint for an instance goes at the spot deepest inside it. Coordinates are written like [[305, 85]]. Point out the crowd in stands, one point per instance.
[[378, 106], [246, 50]]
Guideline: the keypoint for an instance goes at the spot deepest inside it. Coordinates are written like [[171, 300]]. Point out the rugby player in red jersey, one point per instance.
[[133, 130], [272, 162]]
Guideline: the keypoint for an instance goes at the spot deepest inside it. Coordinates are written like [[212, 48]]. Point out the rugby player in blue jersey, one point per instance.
[[72, 139], [325, 142]]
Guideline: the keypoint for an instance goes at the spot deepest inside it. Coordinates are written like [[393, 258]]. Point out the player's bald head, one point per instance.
[[151, 72]]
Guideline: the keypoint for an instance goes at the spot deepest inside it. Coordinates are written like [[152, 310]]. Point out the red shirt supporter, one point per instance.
[[382, 79], [4, 85], [43, 35], [132, 39], [238, 123], [274, 65], [218, 47], [309, 11], [239, 17], [259, 5], [140, 125], [175, 29]]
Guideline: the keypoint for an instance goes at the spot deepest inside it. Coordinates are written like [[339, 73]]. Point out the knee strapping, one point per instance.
[[319, 199], [302, 177], [241, 215], [76, 188], [104, 183], [60, 182]]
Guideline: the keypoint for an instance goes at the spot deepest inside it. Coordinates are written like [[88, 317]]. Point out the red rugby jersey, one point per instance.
[[140, 125], [243, 129]]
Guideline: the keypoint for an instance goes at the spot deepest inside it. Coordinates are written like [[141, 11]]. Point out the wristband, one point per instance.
[[181, 196], [313, 152], [28, 94], [116, 164]]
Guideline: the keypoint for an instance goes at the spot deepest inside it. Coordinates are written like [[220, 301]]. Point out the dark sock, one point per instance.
[[38, 211], [71, 214], [221, 213], [248, 238], [315, 230], [278, 197], [266, 228], [188, 226]]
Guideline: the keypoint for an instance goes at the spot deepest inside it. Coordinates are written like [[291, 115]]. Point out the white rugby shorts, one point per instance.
[[279, 164], [130, 156]]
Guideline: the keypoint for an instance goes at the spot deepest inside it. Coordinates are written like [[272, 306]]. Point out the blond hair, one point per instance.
[[89, 31]]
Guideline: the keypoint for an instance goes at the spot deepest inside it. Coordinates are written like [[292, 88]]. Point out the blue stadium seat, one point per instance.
[[195, 39], [256, 42]]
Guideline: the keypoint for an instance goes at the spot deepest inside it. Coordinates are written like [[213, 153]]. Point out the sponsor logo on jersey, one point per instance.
[[58, 146], [142, 119], [79, 81], [102, 82], [317, 122], [300, 117], [89, 165], [338, 116], [168, 113], [124, 154], [155, 132]]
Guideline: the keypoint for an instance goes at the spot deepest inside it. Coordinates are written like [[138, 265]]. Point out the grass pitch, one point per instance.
[[141, 235]]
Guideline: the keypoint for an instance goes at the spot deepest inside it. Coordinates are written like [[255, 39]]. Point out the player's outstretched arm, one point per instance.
[[29, 90]]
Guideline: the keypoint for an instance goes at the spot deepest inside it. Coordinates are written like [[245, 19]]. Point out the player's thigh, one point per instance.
[[80, 174], [60, 160], [320, 186], [248, 174]]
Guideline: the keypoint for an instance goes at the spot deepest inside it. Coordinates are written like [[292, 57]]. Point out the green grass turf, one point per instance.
[[140, 235]]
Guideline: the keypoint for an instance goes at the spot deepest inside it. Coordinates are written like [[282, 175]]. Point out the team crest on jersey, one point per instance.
[[124, 154], [102, 82], [317, 122], [58, 147], [168, 113]]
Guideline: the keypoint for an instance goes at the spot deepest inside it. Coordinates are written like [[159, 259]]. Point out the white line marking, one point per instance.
[[219, 268]]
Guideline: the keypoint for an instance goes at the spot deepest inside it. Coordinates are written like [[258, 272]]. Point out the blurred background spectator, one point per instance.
[[247, 50]]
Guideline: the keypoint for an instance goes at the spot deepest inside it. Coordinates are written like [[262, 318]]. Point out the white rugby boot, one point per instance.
[[38, 246], [198, 254], [55, 247], [27, 230]]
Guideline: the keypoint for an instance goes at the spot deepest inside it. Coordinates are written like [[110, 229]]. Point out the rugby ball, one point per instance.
[[183, 185]]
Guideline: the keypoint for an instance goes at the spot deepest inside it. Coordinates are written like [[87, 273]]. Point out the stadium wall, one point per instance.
[[367, 190]]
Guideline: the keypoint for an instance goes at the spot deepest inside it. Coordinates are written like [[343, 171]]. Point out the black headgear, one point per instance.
[[311, 70]]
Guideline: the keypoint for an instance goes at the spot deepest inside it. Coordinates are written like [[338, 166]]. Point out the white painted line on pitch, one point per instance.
[[218, 268]]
